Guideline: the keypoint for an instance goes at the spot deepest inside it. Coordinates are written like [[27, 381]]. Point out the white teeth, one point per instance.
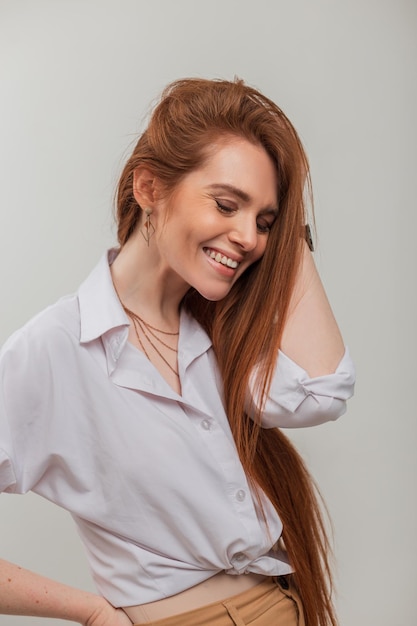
[[221, 258]]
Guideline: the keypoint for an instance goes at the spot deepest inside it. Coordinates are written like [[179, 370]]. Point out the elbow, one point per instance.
[[320, 410], [312, 411]]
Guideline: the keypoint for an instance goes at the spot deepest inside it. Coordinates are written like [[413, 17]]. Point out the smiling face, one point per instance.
[[217, 221]]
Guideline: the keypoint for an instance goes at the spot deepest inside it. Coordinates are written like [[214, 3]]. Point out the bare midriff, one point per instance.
[[214, 589]]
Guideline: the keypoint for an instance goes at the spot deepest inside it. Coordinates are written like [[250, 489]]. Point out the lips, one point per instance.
[[221, 258]]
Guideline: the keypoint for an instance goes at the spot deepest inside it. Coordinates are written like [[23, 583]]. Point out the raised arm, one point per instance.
[[315, 375], [311, 336], [23, 592]]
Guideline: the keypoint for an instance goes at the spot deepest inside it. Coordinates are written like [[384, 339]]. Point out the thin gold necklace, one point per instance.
[[140, 324]]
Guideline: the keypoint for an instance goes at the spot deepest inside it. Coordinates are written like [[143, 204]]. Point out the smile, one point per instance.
[[221, 258]]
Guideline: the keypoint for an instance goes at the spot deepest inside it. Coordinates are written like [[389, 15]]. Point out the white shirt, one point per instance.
[[152, 479]]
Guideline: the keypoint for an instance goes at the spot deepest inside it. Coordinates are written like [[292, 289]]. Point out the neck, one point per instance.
[[145, 284]]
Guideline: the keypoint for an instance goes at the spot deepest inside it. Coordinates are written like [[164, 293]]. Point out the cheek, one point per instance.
[[261, 247]]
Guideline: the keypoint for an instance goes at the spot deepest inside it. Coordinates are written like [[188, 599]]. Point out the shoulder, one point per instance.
[[48, 332]]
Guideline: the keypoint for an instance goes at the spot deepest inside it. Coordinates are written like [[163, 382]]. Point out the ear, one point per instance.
[[144, 187]]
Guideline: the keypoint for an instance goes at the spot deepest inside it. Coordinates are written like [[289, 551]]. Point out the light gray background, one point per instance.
[[77, 78]]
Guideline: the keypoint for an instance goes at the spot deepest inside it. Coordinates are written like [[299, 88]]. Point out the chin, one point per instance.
[[213, 296]]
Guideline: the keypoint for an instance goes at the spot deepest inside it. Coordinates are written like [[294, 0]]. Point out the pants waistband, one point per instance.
[[272, 601], [214, 589]]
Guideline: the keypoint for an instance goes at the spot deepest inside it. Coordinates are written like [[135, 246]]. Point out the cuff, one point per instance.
[[297, 400]]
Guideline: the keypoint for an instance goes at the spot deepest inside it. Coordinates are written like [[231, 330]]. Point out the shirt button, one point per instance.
[[239, 557], [206, 424], [240, 495]]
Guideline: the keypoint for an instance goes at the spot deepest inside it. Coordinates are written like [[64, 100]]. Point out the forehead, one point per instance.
[[240, 164]]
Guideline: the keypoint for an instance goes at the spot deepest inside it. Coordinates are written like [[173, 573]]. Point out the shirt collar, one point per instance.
[[100, 308], [193, 340], [102, 315]]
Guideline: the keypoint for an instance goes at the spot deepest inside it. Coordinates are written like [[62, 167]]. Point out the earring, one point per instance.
[[148, 229]]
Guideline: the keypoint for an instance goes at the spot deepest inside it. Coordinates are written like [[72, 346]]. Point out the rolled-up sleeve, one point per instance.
[[7, 473], [296, 400], [7, 476], [23, 398]]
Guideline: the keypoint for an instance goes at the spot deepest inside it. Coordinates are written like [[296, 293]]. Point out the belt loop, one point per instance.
[[288, 588], [233, 614], [283, 582]]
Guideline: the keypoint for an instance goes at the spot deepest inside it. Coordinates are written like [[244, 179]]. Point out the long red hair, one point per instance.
[[246, 326]]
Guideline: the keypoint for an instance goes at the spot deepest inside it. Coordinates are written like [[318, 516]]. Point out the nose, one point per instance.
[[244, 232]]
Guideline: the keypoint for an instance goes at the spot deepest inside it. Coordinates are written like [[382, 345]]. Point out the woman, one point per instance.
[[147, 403]]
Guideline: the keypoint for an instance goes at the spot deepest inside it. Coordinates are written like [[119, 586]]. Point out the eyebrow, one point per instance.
[[239, 193]]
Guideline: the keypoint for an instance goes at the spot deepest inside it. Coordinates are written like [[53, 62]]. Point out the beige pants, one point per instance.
[[270, 603]]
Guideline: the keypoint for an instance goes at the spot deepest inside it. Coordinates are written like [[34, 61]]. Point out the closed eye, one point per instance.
[[263, 227], [227, 210], [266, 221]]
